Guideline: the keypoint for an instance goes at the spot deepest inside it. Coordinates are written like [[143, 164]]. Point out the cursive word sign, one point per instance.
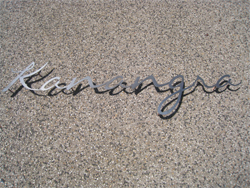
[[173, 84]]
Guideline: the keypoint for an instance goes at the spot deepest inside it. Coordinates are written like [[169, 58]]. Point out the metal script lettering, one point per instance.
[[180, 86]]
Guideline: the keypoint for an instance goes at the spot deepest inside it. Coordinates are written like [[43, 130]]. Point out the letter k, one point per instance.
[[21, 77]]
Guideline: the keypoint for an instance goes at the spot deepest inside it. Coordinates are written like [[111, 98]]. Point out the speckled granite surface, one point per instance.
[[116, 139]]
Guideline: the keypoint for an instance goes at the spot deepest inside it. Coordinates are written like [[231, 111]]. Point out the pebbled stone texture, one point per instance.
[[90, 138]]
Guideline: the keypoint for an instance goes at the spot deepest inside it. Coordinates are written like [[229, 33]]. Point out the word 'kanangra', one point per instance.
[[180, 86]]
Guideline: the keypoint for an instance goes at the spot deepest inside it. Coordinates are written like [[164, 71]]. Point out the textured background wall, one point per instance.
[[93, 139]]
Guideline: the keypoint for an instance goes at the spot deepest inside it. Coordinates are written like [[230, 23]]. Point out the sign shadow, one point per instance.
[[112, 92]]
